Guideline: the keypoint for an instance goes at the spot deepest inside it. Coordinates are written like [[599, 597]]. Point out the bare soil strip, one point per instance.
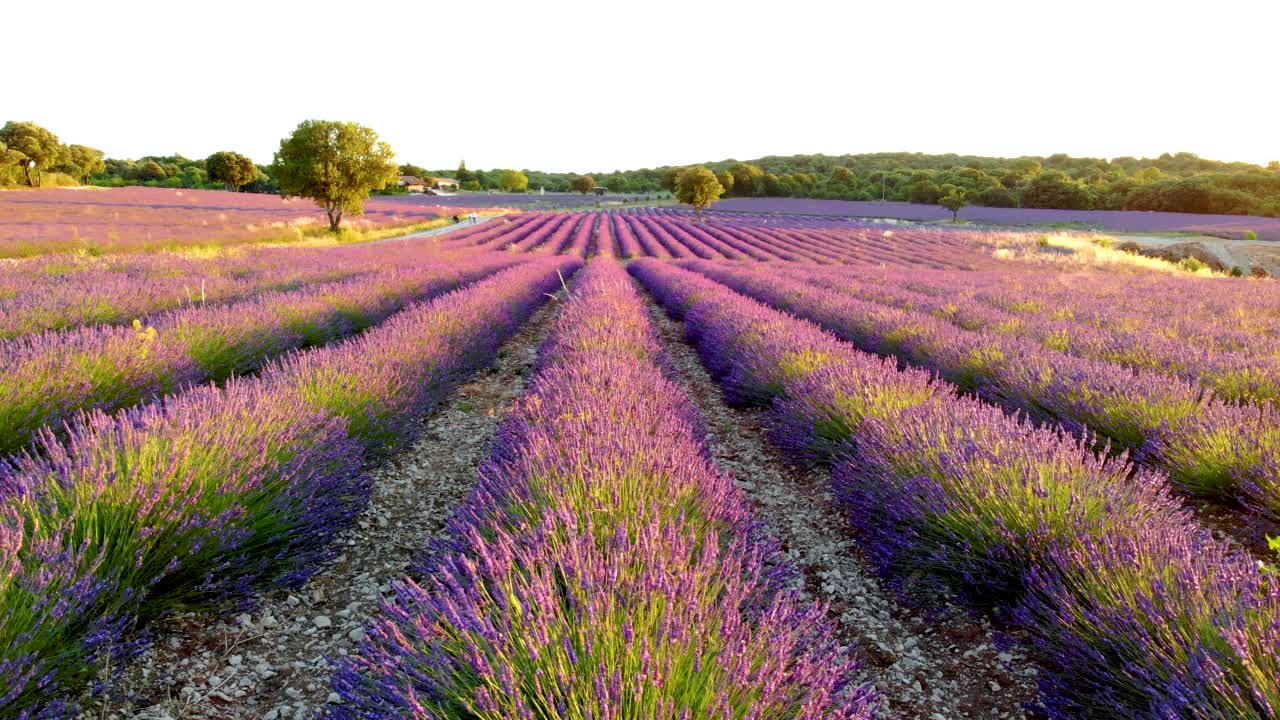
[[273, 663], [937, 663]]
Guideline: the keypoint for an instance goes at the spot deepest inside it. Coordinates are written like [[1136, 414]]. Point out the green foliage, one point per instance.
[[726, 181], [513, 181], [336, 164], [1191, 264], [1250, 235], [1055, 189], [34, 148], [584, 184], [698, 187], [83, 162], [231, 169], [953, 199]]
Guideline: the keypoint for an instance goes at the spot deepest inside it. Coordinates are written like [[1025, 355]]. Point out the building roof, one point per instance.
[[412, 180], [447, 180]]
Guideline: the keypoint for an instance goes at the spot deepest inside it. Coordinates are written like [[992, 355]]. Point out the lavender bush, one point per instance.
[[603, 568], [1134, 609], [209, 496]]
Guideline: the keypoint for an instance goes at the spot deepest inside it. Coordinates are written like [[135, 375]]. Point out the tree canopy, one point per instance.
[[83, 162], [698, 186], [584, 184], [336, 164], [513, 181], [231, 169], [953, 198], [34, 148]]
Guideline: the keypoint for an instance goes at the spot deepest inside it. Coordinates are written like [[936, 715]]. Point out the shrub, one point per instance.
[[1250, 235]]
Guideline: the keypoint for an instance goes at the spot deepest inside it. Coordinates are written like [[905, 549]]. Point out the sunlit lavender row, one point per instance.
[[1207, 447], [217, 493], [46, 379], [1134, 609], [602, 568], [61, 292]]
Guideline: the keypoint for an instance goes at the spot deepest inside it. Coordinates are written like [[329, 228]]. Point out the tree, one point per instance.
[[670, 176], [584, 184], [747, 179], [463, 174], [231, 169], [39, 148], [698, 186], [513, 181], [953, 199], [726, 181], [336, 164], [83, 162]]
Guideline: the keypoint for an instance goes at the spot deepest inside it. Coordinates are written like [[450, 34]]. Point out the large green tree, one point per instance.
[[84, 162], [698, 186], [231, 169], [513, 181], [584, 184], [39, 148], [953, 198], [336, 164]]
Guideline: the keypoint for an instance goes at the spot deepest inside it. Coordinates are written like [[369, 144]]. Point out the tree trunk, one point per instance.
[[27, 172], [335, 218]]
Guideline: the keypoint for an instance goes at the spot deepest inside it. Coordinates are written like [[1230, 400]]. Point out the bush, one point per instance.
[[1130, 247], [1250, 235], [1191, 264], [1237, 272], [1258, 271]]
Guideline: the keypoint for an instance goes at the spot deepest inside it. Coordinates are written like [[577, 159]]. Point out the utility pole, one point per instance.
[[883, 174]]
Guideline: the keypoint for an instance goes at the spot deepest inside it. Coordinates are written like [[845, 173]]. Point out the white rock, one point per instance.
[[356, 635], [322, 621]]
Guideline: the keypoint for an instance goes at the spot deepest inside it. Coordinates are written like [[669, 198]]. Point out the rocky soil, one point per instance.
[[929, 659], [274, 663]]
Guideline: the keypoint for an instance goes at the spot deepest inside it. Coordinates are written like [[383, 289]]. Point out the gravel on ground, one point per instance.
[[929, 659], [274, 663]]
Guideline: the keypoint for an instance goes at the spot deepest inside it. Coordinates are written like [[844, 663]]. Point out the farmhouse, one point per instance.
[[413, 184], [446, 183]]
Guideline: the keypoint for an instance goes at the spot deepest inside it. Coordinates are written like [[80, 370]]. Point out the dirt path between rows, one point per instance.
[[273, 663], [935, 664]]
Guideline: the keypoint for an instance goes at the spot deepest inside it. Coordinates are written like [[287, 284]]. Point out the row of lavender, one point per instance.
[[672, 234], [1207, 447], [1228, 226], [218, 493], [1224, 334], [46, 379], [603, 568], [1135, 611], [54, 293]]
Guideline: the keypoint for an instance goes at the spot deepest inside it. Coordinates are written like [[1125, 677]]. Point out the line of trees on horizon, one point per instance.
[[1180, 182]]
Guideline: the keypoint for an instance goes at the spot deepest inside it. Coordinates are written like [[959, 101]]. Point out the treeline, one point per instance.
[[1182, 182], [630, 181], [34, 156]]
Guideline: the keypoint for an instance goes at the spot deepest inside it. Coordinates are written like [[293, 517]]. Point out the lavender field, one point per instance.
[[631, 463], [1129, 221]]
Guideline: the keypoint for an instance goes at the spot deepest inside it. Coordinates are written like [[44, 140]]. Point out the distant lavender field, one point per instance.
[[1227, 226], [523, 201]]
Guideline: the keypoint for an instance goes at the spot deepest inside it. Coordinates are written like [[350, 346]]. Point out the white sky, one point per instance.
[[598, 86]]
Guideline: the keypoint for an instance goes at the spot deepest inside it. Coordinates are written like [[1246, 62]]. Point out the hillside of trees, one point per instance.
[[1181, 182]]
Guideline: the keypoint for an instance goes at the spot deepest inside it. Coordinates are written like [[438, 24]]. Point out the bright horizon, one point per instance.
[[593, 88]]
